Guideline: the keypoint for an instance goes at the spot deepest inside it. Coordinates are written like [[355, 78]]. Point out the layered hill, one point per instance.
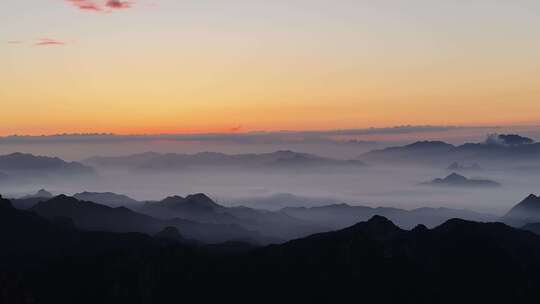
[[17, 168], [201, 208], [97, 217], [338, 216], [22, 162], [373, 260], [108, 198]]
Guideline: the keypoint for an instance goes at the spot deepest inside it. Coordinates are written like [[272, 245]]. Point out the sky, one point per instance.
[[189, 66]]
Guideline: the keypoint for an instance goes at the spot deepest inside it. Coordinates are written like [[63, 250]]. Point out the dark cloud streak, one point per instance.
[[101, 6], [323, 136], [48, 42], [117, 4]]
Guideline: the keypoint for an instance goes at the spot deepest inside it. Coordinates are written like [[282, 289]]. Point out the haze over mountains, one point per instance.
[[280, 160], [231, 178], [96, 217], [312, 227], [368, 151], [457, 180], [26, 168], [199, 218]]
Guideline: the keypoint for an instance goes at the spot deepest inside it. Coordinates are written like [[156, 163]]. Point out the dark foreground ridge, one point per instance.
[[51, 261]]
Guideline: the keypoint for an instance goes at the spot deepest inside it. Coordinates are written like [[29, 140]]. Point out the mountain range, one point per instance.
[[17, 167], [339, 216], [108, 198], [280, 160], [525, 212], [374, 260], [198, 217], [96, 217], [200, 208], [497, 149], [457, 180]]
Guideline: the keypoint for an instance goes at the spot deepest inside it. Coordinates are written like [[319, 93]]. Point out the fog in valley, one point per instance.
[[375, 184]]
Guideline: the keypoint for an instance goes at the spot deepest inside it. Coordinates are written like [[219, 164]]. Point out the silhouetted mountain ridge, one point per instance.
[[107, 198], [97, 217], [17, 162], [457, 180], [375, 260], [496, 150], [199, 207], [338, 216], [525, 212]]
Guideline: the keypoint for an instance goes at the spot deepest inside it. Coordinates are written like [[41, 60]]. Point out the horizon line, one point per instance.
[[412, 128]]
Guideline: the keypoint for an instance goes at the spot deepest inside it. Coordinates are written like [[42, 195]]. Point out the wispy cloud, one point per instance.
[[117, 4], [101, 6], [14, 42], [48, 42], [278, 137], [87, 5]]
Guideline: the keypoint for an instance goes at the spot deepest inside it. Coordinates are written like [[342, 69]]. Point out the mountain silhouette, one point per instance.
[[385, 264], [457, 180], [201, 208], [525, 212], [107, 198], [21, 162], [96, 217], [194, 203], [373, 260], [497, 150], [338, 216], [42, 193], [28, 201]]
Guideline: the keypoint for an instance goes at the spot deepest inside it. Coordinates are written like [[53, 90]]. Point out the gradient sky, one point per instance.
[[168, 66]]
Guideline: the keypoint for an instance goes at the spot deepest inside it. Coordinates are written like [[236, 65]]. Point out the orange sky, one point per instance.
[[201, 66]]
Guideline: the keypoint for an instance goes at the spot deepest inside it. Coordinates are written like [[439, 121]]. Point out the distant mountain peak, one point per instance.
[[106, 198], [525, 212], [454, 224], [64, 197], [420, 228], [194, 202], [455, 177], [508, 140], [430, 143], [531, 197], [531, 201], [458, 180], [43, 193], [377, 227], [379, 220]]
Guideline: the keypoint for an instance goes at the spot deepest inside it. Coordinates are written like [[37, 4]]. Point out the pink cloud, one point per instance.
[[236, 129], [87, 5], [101, 5], [48, 42], [117, 4]]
